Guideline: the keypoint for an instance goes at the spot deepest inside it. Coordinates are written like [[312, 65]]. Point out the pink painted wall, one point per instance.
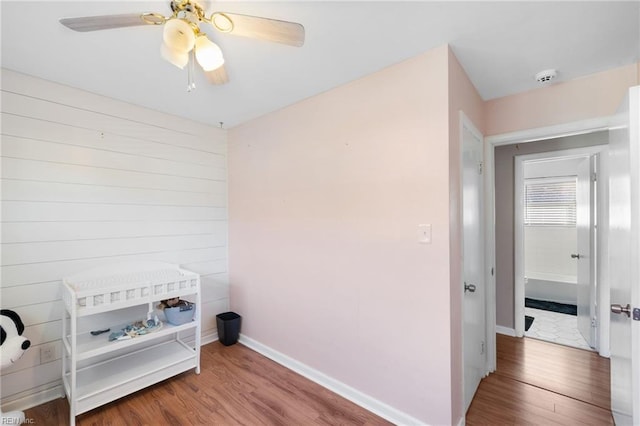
[[463, 96], [324, 201], [596, 95]]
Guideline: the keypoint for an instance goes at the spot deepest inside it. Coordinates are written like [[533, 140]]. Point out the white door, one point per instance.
[[584, 255], [624, 260], [473, 260]]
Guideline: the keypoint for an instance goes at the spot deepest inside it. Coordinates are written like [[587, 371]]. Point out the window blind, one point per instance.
[[550, 202]]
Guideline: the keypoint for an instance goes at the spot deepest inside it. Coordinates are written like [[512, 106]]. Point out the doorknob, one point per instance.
[[575, 256], [619, 309], [469, 287]]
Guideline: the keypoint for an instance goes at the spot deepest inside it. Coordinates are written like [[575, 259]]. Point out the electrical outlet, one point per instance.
[[47, 353]]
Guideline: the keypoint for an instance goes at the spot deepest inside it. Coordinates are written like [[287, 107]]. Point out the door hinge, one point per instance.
[[594, 177], [636, 314], [480, 167], [594, 322], [482, 348]]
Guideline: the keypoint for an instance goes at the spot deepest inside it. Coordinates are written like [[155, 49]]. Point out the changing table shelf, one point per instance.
[[101, 383], [88, 346]]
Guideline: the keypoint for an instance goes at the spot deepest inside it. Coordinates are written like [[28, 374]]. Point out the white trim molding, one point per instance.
[[505, 330], [34, 397], [550, 132], [209, 337], [365, 401]]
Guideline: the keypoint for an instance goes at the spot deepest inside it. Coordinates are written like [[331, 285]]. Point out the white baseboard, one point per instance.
[[506, 331], [209, 337], [365, 401], [33, 398]]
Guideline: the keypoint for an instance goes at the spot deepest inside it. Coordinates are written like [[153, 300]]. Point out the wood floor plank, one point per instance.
[[507, 401], [540, 383], [236, 386], [577, 373]]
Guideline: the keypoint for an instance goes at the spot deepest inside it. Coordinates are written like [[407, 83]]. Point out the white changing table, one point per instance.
[[96, 371]]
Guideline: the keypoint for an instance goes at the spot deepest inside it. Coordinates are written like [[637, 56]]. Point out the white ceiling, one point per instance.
[[501, 45]]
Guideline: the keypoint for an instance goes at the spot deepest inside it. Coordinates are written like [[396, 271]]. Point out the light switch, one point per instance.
[[424, 233]]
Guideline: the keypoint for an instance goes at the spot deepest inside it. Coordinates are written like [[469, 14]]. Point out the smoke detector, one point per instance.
[[546, 76]]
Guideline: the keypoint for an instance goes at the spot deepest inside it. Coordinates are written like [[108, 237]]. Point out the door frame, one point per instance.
[[491, 142], [519, 275]]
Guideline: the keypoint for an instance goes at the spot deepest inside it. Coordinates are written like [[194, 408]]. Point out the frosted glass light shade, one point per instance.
[[178, 35], [208, 54], [176, 57]]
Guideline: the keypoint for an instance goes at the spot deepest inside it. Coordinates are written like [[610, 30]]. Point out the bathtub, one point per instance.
[[560, 288]]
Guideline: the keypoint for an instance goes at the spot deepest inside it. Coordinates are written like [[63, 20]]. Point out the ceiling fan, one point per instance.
[[184, 42]]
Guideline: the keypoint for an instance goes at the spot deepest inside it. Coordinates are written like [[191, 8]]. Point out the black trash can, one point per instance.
[[228, 327]]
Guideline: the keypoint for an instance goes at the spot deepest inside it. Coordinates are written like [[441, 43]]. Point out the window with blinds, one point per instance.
[[550, 202]]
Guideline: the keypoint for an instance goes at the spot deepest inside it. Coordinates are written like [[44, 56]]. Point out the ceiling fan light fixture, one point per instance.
[[185, 43], [179, 35], [177, 57], [208, 54]]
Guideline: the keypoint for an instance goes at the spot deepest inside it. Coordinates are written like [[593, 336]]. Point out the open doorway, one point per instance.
[[555, 223], [618, 245], [501, 154]]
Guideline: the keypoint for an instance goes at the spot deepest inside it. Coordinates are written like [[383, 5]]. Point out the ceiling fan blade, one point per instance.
[[217, 76], [106, 22], [284, 32]]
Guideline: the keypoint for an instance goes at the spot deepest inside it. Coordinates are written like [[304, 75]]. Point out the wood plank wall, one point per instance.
[[87, 180]]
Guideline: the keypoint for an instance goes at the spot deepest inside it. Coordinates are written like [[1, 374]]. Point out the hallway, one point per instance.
[[543, 383]]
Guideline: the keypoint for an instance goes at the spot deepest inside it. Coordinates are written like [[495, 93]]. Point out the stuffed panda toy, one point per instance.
[[11, 349]]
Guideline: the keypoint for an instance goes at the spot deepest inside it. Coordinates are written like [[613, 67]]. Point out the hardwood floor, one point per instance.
[[541, 383], [536, 383], [236, 386]]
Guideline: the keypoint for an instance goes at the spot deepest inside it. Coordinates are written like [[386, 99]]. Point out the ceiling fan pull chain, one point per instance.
[[191, 85]]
